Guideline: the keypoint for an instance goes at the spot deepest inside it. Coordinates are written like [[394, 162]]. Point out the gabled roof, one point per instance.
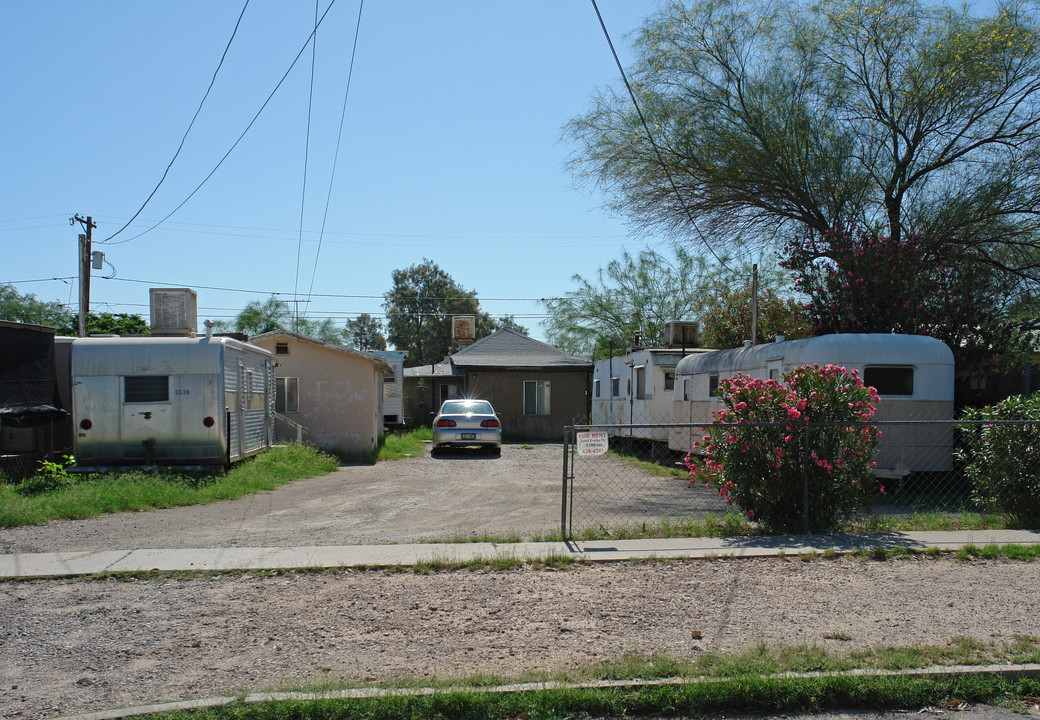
[[321, 343], [509, 349]]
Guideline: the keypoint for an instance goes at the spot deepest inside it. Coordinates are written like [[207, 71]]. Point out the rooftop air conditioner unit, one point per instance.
[[174, 311], [680, 334]]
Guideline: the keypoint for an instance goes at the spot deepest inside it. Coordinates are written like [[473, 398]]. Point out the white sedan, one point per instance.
[[463, 423]]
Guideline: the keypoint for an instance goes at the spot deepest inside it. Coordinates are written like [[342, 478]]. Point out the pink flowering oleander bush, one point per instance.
[[757, 464], [1003, 461]]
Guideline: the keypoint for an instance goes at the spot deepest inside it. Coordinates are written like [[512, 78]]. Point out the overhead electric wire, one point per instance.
[[212, 81], [248, 127], [653, 143], [335, 157], [306, 158]]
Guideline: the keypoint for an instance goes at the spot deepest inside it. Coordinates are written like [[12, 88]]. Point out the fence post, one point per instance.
[[563, 501], [805, 480]]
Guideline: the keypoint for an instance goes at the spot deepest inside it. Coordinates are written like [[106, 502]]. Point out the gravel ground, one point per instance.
[[69, 646], [75, 646]]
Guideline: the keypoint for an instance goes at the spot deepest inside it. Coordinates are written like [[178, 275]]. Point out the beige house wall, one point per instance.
[[341, 395]]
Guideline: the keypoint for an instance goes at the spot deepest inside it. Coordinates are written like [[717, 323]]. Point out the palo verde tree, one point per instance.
[[774, 122], [639, 294], [419, 310]]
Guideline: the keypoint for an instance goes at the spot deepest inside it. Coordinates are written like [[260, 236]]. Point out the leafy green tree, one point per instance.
[[16, 307], [366, 333], [641, 293], [773, 120], [105, 324], [726, 318], [259, 317], [419, 309]]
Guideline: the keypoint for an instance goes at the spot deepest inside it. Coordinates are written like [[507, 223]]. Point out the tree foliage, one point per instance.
[[259, 317], [419, 310], [726, 318], [16, 307], [366, 333], [642, 293], [105, 324], [777, 120]]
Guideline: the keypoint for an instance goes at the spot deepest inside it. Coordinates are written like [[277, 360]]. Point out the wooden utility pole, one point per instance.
[[84, 270]]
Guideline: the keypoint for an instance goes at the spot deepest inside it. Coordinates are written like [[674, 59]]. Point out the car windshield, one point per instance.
[[464, 407]]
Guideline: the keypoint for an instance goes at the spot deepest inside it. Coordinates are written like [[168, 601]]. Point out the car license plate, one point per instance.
[[469, 436]]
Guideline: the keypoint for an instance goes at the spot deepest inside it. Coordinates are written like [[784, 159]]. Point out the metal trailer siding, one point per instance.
[[900, 450], [189, 380]]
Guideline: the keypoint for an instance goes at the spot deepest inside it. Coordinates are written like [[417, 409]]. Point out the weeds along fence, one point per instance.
[[625, 476]]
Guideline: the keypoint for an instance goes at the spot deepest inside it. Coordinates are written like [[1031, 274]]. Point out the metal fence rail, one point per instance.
[[642, 482]]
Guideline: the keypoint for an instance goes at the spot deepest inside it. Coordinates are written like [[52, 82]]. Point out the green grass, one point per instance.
[[98, 494], [396, 446], [714, 683]]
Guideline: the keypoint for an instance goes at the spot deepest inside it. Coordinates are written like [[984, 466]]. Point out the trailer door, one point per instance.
[[147, 415]]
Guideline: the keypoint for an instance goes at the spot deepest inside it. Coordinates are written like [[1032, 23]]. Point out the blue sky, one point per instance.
[[452, 149]]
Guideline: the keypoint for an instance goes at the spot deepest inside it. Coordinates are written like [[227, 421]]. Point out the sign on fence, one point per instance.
[[592, 443]]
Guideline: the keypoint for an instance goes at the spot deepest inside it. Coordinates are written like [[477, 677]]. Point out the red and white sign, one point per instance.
[[592, 443]]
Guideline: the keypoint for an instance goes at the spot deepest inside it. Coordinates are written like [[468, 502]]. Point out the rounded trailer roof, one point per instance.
[[147, 354], [837, 349]]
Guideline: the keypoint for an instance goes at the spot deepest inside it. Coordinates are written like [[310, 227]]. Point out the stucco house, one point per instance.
[[333, 391], [536, 389]]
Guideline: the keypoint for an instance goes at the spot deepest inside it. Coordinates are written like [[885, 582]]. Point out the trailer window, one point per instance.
[[287, 395], [889, 379], [713, 384], [595, 388], [615, 386], [146, 388], [669, 380]]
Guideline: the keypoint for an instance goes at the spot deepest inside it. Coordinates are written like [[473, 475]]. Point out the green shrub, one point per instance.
[[755, 453], [1002, 461]]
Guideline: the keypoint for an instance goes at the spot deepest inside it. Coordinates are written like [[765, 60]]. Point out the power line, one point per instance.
[[248, 127], [306, 158], [190, 125], [335, 157], [276, 293], [653, 143]]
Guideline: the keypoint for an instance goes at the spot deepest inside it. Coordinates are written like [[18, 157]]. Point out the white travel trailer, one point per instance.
[[636, 388], [912, 374], [393, 382], [199, 402]]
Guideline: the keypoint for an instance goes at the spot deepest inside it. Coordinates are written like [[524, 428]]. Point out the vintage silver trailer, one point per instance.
[[913, 375], [636, 388], [199, 402]]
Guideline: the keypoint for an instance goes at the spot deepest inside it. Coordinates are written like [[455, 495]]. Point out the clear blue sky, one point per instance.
[[452, 149]]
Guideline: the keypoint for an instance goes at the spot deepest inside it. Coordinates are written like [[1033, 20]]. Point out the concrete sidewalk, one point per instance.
[[69, 564]]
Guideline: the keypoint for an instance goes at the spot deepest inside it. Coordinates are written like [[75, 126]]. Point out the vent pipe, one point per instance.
[[209, 329]]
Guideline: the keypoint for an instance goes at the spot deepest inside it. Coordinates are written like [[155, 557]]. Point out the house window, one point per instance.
[[669, 380], [889, 379], [595, 388], [146, 388], [287, 395], [615, 387], [536, 397], [281, 348], [641, 381]]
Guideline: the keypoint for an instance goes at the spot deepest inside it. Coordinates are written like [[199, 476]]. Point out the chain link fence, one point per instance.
[[642, 480]]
